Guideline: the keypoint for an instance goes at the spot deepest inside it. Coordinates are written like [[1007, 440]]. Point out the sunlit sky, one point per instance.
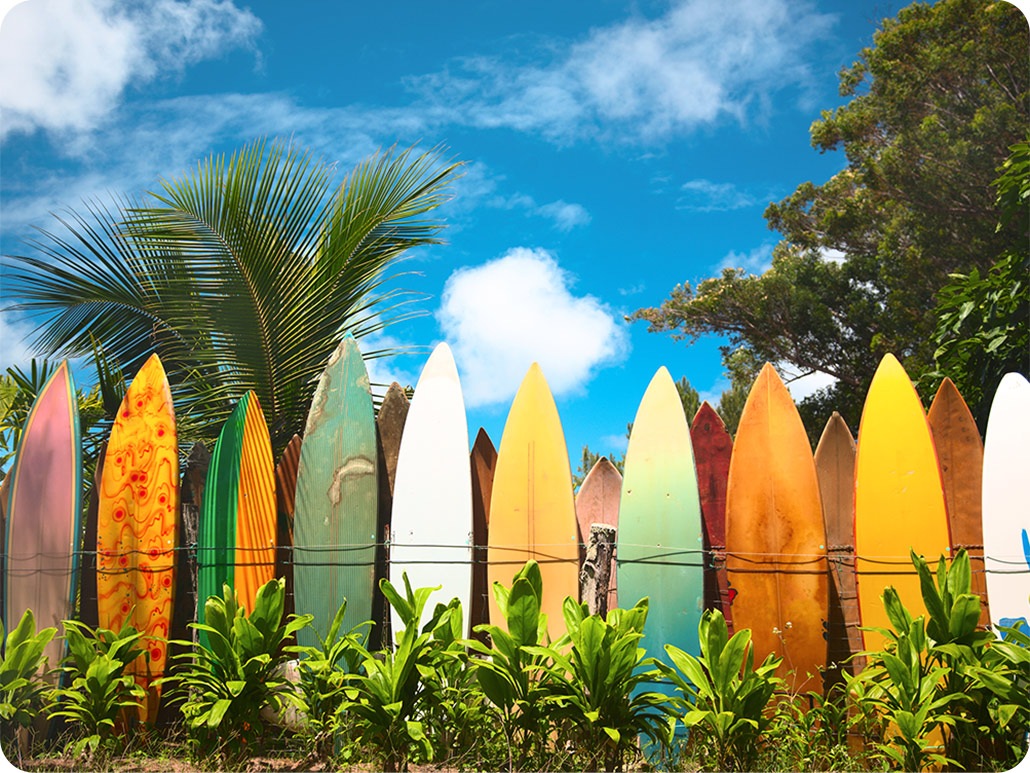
[[612, 150]]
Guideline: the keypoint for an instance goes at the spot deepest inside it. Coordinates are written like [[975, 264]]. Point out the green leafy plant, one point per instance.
[[722, 694], [595, 686], [384, 701], [513, 672], [225, 684], [101, 699], [22, 688], [323, 672]]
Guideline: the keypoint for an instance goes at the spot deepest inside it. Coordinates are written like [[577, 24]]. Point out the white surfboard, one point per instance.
[[1005, 511], [431, 524]]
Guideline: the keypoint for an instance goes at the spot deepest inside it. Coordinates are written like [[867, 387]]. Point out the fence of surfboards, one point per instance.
[[796, 547]]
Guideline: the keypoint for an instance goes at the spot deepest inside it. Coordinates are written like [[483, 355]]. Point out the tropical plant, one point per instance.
[[22, 687], [597, 686], [102, 699], [224, 685], [384, 702], [323, 672], [243, 275], [513, 672], [722, 694]]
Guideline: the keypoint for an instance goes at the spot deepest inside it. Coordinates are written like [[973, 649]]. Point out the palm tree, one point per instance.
[[244, 274]]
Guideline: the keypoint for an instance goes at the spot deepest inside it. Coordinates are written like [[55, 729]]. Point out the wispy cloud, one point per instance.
[[501, 316], [641, 79], [707, 196], [65, 64], [755, 261], [14, 336], [480, 186]]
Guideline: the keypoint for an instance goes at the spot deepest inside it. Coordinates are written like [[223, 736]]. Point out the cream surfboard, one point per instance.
[[431, 524], [1005, 514]]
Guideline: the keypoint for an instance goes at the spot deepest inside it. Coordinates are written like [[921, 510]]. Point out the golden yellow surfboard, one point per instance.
[[532, 510], [899, 499]]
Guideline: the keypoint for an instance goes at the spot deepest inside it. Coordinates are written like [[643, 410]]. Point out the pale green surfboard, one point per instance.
[[337, 496], [659, 543]]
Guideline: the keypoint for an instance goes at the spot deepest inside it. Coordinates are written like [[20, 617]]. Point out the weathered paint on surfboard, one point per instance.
[[482, 461], [337, 498], [960, 453], [659, 546], [532, 510], [431, 525], [1005, 520], [137, 523], [835, 467], [899, 499], [256, 512], [598, 502], [393, 414], [776, 540], [43, 507], [713, 448]]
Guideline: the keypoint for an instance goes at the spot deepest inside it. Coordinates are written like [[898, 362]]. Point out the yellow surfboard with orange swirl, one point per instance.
[[137, 522]]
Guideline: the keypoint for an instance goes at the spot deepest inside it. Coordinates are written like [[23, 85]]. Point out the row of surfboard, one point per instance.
[[794, 547]]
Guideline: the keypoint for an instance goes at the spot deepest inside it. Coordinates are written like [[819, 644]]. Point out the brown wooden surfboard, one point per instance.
[[390, 421], [835, 467], [88, 564], [960, 453], [392, 415], [483, 460], [285, 502], [713, 448]]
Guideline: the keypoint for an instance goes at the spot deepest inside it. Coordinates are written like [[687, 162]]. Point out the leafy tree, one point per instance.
[[934, 105], [243, 274], [983, 320]]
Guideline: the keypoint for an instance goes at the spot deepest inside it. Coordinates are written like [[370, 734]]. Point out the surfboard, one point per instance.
[[137, 523], [659, 546], [532, 510], [1006, 450], [775, 537], [713, 448], [835, 468], [598, 502], [334, 527], [286, 497], [899, 499], [42, 514], [482, 461], [393, 414], [960, 453], [88, 564], [431, 525]]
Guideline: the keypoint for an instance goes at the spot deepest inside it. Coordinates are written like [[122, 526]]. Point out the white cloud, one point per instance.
[[503, 315], [801, 387], [65, 64], [714, 393], [831, 255], [565, 216], [642, 78], [756, 261], [14, 342], [706, 196]]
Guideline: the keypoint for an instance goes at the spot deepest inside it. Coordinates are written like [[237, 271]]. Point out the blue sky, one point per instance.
[[613, 150]]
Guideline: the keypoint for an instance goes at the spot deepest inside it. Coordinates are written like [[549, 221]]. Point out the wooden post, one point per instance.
[[595, 576]]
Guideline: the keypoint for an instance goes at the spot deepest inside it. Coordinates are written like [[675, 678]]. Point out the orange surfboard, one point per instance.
[[775, 539], [137, 523], [899, 500], [961, 455]]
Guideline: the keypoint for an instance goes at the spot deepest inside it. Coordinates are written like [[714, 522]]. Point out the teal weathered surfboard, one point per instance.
[[337, 495], [660, 545]]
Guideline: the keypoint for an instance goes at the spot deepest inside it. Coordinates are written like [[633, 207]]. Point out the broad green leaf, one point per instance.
[[523, 612]]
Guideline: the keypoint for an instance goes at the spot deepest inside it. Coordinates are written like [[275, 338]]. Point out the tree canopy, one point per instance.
[[934, 106], [244, 274]]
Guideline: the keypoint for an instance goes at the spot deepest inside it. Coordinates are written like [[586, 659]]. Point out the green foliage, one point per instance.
[[809, 732], [101, 695], [385, 699], [224, 685], [722, 694], [933, 107], [22, 688], [510, 674], [323, 672], [286, 261], [597, 690], [946, 692]]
